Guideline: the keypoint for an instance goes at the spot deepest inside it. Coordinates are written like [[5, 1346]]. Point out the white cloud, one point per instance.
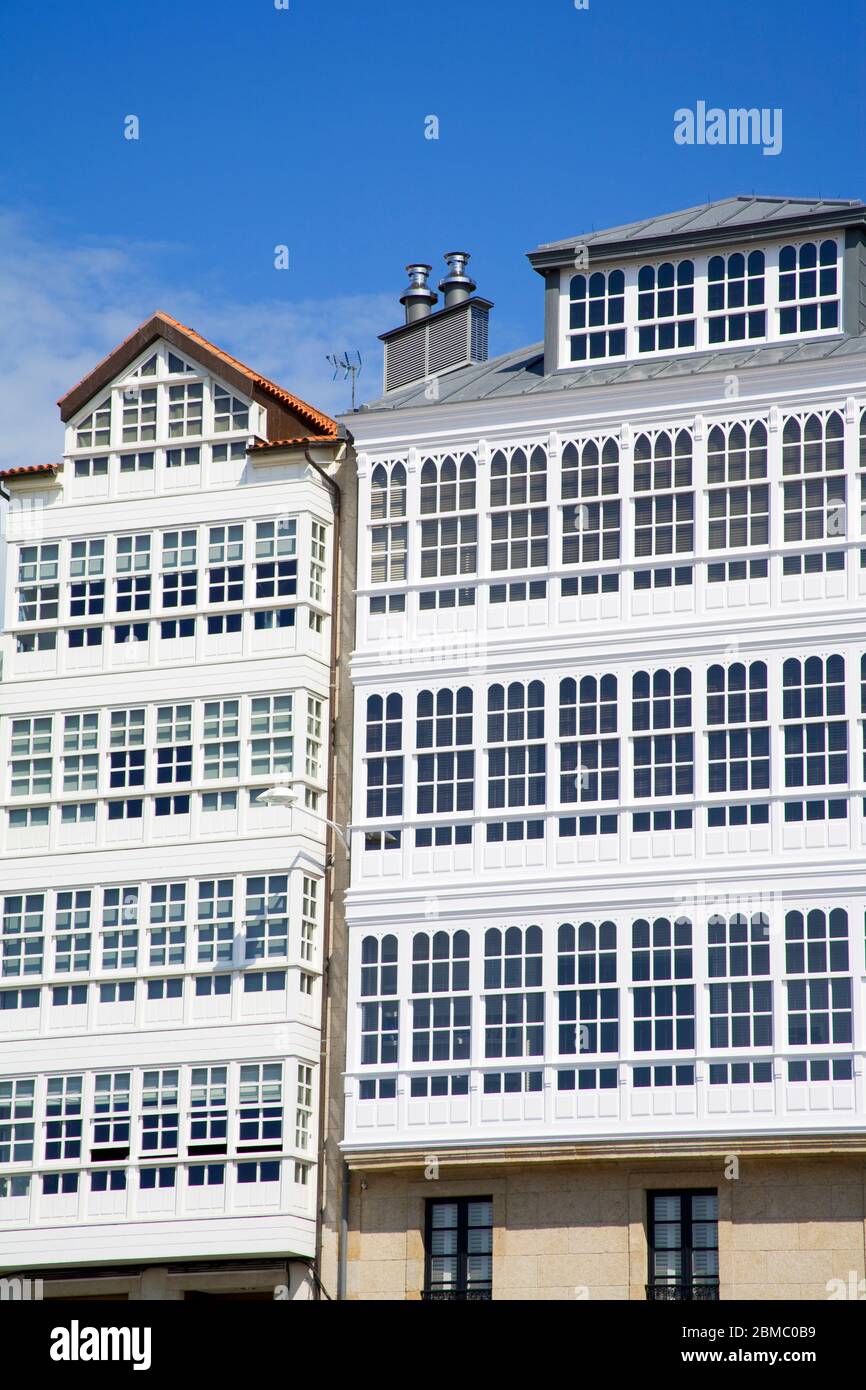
[[290, 342], [64, 308]]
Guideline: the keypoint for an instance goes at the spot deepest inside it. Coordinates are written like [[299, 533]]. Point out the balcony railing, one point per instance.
[[476, 1295], [682, 1293]]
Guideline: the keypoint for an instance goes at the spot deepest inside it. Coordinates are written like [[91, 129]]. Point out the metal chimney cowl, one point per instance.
[[457, 286], [418, 297], [429, 344]]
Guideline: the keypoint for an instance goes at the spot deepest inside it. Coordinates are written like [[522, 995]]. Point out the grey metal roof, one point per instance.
[[724, 213], [521, 373]]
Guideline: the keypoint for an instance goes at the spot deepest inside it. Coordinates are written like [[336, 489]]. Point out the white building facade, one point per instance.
[[606, 918], [167, 659]]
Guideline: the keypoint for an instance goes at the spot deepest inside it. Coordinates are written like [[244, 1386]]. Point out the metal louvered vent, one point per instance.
[[446, 343], [405, 358], [478, 345], [454, 337]]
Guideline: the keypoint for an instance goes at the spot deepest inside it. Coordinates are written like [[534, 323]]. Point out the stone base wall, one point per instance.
[[788, 1228]]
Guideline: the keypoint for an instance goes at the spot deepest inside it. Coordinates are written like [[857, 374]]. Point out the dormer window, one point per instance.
[[736, 297], [229, 412], [185, 410], [95, 431], [147, 368], [762, 294], [139, 415], [666, 306], [808, 287], [597, 307], [177, 364]]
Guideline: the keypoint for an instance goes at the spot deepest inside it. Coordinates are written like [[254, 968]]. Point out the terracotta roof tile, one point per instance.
[[153, 328], [316, 417], [263, 445], [29, 468]]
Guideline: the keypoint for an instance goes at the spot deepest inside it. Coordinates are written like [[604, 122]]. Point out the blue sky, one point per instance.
[[305, 127]]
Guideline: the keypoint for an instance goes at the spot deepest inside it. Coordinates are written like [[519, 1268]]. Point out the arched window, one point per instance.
[[384, 723], [738, 946], [447, 487], [388, 491], [741, 1012], [736, 297], [666, 305], [588, 764], [512, 959], [597, 315], [440, 963], [589, 1013], [815, 730], [590, 471], [384, 739], [739, 517], [517, 477], [449, 542], [737, 453], [652, 704], [591, 529], [379, 1009], [378, 966], [809, 287], [664, 519], [444, 720], [519, 529], [662, 949], [663, 759], [445, 778], [820, 1004]]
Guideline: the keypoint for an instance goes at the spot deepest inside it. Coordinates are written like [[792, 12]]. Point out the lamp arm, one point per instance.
[[337, 829]]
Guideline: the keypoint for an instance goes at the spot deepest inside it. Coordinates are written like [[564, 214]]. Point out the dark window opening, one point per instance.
[[683, 1247], [459, 1250]]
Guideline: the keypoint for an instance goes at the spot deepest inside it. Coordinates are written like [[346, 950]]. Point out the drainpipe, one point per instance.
[[330, 855], [344, 1235]]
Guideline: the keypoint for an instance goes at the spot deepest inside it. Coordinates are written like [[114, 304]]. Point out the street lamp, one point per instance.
[[288, 797]]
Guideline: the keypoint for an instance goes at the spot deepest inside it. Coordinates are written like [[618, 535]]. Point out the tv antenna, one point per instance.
[[348, 368]]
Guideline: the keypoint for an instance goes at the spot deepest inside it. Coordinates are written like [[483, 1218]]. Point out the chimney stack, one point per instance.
[[418, 296], [457, 285], [429, 343]]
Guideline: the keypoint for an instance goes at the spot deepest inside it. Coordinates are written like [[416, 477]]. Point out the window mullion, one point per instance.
[[777, 505], [701, 306], [410, 521], [462, 1245]]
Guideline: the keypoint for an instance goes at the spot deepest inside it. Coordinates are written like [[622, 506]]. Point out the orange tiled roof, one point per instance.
[[316, 417], [152, 329], [27, 468], [262, 445]]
